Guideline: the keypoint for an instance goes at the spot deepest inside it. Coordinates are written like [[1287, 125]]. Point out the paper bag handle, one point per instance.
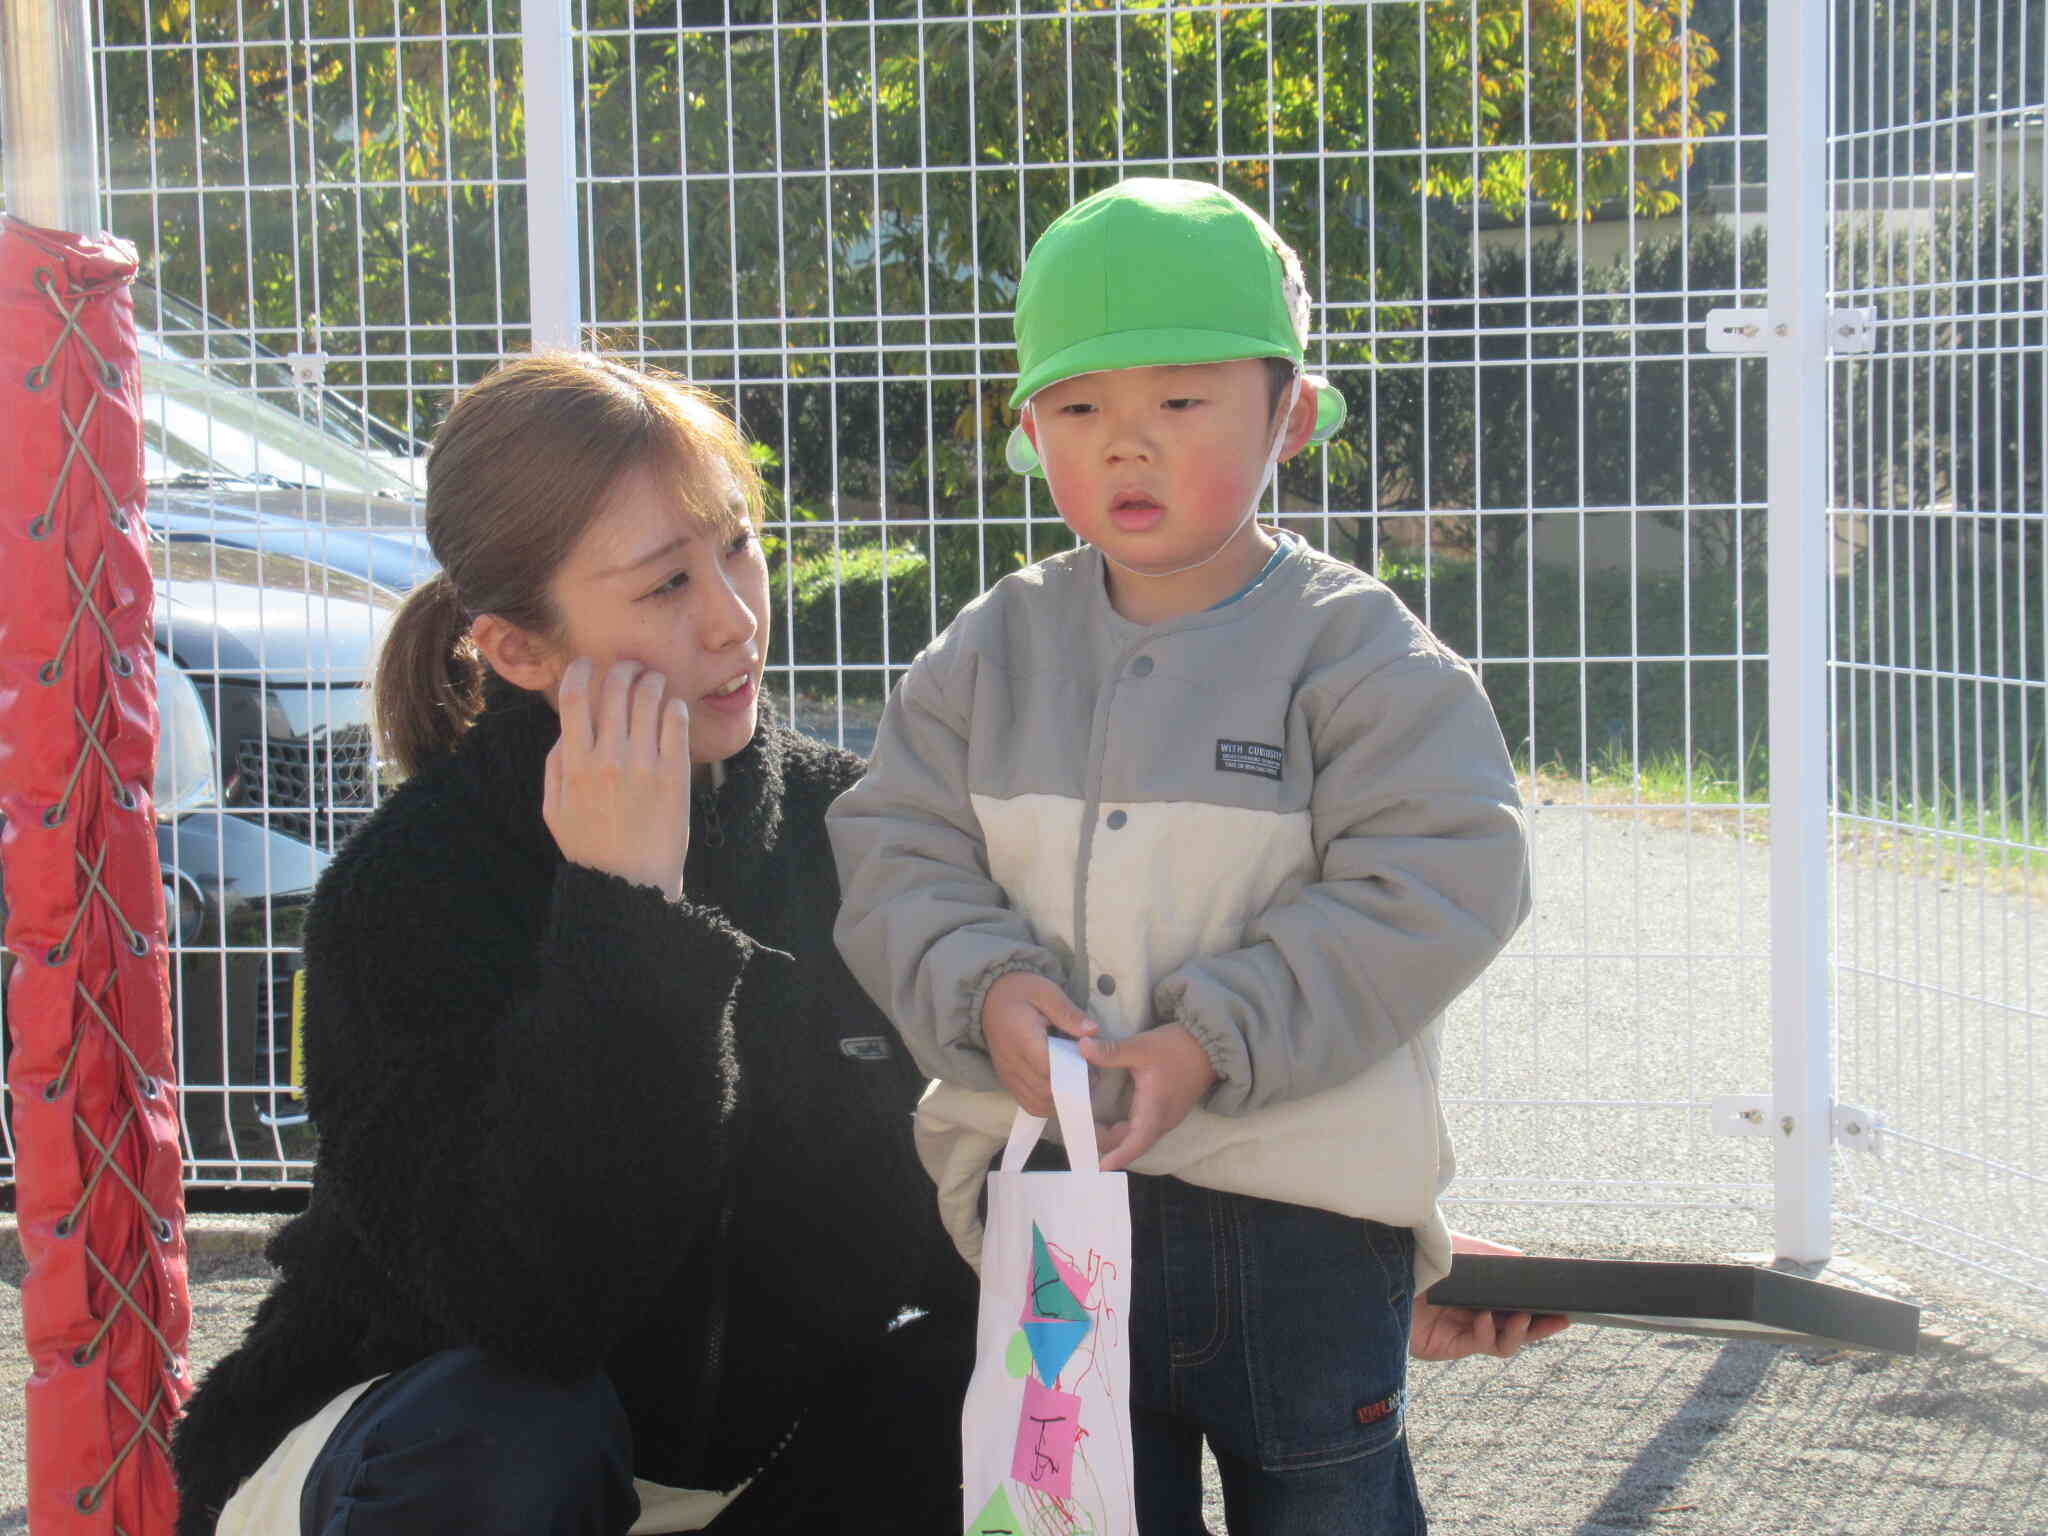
[[1070, 1102]]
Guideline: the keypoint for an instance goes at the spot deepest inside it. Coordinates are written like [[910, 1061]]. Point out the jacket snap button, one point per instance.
[[1142, 667], [1116, 820], [1106, 985]]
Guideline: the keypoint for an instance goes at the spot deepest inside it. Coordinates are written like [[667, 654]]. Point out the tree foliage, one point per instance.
[[828, 218]]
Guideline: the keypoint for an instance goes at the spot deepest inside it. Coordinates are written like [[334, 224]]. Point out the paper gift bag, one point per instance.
[[1046, 1431]]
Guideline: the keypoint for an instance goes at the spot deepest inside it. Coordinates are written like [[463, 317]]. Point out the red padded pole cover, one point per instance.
[[97, 1172]]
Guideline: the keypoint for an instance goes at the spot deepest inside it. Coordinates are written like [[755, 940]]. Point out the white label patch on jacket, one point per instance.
[[1254, 757], [865, 1047]]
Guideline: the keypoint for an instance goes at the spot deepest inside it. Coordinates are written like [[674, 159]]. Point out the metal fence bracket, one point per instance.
[[1750, 1114], [1741, 1114], [1852, 330], [309, 364], [1749, 330], [1738, 330], [1856, 1127]]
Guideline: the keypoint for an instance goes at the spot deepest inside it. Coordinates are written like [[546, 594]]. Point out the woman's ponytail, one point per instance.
[[429, 677]]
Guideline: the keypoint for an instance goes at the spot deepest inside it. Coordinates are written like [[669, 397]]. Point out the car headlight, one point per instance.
[[185, 753]]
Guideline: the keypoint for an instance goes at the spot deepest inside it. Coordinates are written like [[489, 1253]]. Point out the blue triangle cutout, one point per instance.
[[1052, 1345]]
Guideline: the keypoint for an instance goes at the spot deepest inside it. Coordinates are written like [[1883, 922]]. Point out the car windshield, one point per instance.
[[215, 406]]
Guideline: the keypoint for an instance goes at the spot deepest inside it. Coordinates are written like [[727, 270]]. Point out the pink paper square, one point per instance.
[[1046, 1429]]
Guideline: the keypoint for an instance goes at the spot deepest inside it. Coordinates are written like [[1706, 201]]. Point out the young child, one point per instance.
[[1231, 796]]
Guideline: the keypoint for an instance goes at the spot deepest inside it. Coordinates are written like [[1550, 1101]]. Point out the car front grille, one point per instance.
[[318, 790]]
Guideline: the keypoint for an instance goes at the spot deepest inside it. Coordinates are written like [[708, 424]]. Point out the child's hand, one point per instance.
[[1015, 1014], [1169, 1074], [1452, 1333]]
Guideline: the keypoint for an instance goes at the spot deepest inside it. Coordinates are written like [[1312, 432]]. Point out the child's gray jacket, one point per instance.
[[1289, 824]]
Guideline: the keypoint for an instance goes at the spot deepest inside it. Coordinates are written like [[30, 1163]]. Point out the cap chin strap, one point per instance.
[[1251, 510]]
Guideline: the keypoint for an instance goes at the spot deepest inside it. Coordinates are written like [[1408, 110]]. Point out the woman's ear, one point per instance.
[[518, 655]]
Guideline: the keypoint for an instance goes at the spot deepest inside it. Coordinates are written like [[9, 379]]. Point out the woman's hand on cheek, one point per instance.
[[617, 791]]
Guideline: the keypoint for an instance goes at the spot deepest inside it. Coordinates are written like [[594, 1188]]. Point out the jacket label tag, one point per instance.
[[865, 1047], [1253, 757]]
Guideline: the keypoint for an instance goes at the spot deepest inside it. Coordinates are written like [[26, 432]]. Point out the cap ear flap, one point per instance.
[[1331, 407], [1021, 454]]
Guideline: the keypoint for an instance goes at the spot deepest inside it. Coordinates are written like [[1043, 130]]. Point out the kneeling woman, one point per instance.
[[616, 1215]]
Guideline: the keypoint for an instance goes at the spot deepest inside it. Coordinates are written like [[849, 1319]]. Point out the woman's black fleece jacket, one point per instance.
[[587, 1128]]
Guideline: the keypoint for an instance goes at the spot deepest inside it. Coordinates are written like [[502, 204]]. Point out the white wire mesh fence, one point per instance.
[[1940, 165], [1515, 219]]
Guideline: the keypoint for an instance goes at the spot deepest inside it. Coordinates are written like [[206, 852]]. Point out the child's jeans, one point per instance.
[[1280, 1334]]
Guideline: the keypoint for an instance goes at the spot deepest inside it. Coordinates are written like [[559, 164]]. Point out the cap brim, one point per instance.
[[1022, 455]]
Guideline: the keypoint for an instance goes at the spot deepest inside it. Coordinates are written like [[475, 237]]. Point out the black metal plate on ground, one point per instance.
[[1735, 1300]]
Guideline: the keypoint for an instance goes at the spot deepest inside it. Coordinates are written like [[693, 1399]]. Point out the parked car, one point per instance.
[[284, 527]]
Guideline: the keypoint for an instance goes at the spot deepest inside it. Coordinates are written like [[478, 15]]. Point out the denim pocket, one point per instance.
[[1326, 1311]]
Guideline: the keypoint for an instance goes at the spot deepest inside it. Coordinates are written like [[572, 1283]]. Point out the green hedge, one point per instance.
[[1562, 672], [1557, 651], [1948, 652], [1608, 705], [830, 602]]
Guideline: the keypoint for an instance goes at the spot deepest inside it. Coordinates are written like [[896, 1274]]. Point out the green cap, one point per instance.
[[1153, 271]]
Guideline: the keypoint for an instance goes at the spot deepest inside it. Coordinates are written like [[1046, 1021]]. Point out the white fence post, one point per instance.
[[553, 231], [1802, 1060]]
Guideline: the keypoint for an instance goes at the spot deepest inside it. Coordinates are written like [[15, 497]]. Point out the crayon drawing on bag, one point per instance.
[[1046, 1425]]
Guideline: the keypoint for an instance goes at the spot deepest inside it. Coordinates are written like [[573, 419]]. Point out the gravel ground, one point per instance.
[[1599, 1430], [1638, 993]]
